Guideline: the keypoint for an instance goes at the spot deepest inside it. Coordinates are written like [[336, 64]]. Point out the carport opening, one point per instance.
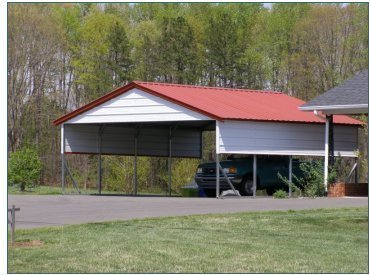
[[121, 178], [151, 172]]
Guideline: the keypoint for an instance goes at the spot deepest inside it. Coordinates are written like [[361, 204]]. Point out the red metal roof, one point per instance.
[[222, 103]]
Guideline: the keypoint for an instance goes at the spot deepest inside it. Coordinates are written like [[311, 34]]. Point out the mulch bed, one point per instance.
[[33, 243]]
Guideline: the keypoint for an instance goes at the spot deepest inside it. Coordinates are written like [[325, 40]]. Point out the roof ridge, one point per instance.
[[205, 87]]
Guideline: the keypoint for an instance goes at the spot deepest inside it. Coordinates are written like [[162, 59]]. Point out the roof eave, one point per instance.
[[333, 107]]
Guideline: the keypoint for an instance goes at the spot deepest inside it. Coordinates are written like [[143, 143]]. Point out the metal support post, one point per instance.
[[62, 152], [228, 180], [326, 160], [135, 166], [169, 161], [254, 175], [217, 176], [99, 173], [63, 174], [99, 159], [331, 141], [72, 178], [290, 175], [356, 171]]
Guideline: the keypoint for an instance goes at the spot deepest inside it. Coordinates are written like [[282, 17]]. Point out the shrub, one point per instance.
[[280, 194], [311, 184], [313, 178], [24, 168]]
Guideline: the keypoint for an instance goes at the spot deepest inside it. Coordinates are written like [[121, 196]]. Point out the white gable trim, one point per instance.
[[137, 106]]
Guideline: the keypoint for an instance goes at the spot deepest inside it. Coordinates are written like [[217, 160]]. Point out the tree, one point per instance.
[[327, 49], [24, 168], [103, 62], [33, 43], [145, 52], [277, 42], [61, 56], [177, 51], [119, 62], [232, 55]]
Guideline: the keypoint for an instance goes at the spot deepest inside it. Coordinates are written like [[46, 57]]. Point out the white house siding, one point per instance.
[[272, 138], [137, 106], [120, 140]]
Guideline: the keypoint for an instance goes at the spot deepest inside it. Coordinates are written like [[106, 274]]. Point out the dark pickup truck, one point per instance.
[[240, 172]]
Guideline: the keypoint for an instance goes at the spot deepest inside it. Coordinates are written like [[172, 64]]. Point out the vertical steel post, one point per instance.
[[254, 175], [99, 174], [62, 152], [217, 137], [331, 141], [290, 175], [356, 171], [99, 160], [169, 161], [135, 166], [217, 176], [326, 160], [13, 223]]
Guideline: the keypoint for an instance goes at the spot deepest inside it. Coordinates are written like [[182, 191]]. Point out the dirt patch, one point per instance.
[[33, 243]]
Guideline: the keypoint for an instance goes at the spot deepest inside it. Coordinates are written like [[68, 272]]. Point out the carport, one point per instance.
[[159, 119], [349, 98]]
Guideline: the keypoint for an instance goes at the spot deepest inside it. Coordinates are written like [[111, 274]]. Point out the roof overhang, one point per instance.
[[338, 109]]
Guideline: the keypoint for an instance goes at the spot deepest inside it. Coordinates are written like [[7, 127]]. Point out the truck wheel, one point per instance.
[[246, 187]]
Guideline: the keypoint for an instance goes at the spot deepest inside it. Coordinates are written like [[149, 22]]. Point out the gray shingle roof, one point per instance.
[[353, 91]]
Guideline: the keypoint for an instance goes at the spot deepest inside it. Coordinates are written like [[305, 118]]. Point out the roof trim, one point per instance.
[[331, 107], [151, 90], [122, 90]]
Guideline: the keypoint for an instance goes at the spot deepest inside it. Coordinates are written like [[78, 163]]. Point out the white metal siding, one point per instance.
[[137, 106], [271, 138], [152, 141], [81, 138]]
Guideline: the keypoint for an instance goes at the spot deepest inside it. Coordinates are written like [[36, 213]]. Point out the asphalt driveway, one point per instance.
[[40, 211]]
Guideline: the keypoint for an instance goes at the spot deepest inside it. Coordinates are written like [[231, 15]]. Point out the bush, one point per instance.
[[311, 184], [313, 178], [24, 168], [280, 194]]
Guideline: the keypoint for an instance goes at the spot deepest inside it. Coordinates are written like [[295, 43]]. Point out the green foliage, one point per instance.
[[24, 168], [311, 183], [280, 194], [177, 54], [118, 173], [313, 179], [64, 55], [183, 172], [363, 152]]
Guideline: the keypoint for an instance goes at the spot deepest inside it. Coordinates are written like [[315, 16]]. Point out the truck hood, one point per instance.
[[225, 163]]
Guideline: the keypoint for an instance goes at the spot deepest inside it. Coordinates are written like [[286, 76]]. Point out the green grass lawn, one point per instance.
[[314, 241]]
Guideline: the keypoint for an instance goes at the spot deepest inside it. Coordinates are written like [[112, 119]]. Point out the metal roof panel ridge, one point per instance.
[[204, 87]]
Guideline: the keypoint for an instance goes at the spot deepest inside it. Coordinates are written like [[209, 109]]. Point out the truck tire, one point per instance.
[[246, 187]]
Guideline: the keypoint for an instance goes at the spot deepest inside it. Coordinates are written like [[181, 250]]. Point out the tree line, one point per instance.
[[61, 56]]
